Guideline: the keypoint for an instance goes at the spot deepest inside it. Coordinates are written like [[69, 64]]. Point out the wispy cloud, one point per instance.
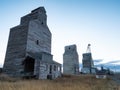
[[113, 65], [98, 60], [113, 62]]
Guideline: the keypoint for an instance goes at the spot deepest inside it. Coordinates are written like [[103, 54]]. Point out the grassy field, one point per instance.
[[65, 83]]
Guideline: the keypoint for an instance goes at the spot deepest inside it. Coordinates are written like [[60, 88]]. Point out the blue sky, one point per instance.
[[71, 22]]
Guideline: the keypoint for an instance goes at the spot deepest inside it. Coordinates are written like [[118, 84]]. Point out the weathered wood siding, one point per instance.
[[70, 60], [39, 38], [16, 48], [26, 42]]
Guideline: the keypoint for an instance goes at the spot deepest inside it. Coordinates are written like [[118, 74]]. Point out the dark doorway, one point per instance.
[[49, 76], [29, 65]]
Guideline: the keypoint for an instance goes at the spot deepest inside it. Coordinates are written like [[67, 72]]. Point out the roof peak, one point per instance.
[[39, 9]]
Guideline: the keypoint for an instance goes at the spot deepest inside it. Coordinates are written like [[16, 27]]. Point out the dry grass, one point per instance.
[[64, 83]]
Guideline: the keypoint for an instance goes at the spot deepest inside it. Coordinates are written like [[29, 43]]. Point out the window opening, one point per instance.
[[37, 42]]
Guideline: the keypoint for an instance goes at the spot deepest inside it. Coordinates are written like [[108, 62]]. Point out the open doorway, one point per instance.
[[49, 76], [29, 65]]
